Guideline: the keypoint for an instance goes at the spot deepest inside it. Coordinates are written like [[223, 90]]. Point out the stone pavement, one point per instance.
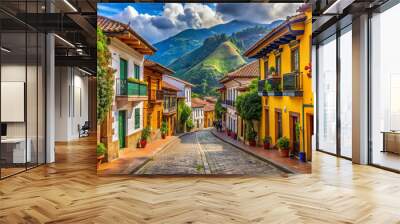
[[271, 155], [202, 153], [132, 159]]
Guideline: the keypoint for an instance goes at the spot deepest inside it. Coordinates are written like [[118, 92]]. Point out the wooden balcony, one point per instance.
[[270, 87], [130, 91], [292, 84], [156, 96]]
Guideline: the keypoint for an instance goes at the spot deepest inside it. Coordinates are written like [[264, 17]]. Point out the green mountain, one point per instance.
[[174, 47], [225, 58], [203, 56]]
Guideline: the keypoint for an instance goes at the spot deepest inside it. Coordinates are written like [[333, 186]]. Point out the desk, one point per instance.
[[391, 141], [13, 150]]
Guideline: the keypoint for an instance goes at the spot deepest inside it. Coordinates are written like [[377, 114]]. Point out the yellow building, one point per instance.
[[209, 114], [284, 57], [153, 107]]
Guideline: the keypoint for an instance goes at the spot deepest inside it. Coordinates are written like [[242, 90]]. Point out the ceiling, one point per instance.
[[74, 22]]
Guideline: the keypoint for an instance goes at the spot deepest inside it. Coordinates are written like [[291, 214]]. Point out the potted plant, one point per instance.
[[144, 137], [189, 124], [234, 135], [228, 132], [267, 142], [296, 143], [100, 151], [164, 129], [272, 71], [283, 145], [251, 136]]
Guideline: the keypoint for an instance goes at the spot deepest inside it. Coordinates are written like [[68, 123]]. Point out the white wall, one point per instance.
[[120, 50], [71, 102]]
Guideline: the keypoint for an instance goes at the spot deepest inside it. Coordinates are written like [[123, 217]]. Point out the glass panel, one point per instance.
[[327, 96], [31, 98], [41, 99], [346, 94], [13, 86], [385, 84]]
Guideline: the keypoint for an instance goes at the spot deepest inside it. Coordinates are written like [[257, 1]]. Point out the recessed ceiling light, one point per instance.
[[5, 50], [64, 40], [86, 72], [70, 5]]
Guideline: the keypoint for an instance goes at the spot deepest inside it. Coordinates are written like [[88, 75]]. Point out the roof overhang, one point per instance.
[[157, 67], [133, 42], [283, 34]]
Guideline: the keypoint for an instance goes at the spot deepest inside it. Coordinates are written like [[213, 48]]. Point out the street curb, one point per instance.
[[278, 165], [159, 151]]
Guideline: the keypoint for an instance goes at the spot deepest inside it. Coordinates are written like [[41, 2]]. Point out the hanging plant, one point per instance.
[[105, 77]]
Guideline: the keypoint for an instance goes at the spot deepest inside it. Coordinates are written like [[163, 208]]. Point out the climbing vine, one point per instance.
[[105, 77]]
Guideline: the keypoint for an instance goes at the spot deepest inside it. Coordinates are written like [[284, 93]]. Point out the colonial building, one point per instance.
[[122, 128], [153, 107], [184, 93], [185, 88], [198, 106], [284, 57], [209, 114], [170, 93], [235, 83]]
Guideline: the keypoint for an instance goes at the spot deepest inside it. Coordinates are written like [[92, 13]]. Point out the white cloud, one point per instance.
[[177, 17], [256, 12], [174, 18], [106, 9]]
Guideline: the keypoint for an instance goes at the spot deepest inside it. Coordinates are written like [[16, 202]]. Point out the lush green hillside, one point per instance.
[[225, 58], [184, 63], [182, 43], [203, 56]]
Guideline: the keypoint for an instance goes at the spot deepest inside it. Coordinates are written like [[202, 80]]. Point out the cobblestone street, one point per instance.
[[202, 153]]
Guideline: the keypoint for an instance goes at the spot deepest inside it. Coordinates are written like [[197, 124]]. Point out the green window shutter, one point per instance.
[[123, 69], [137, 71], [137, 118]]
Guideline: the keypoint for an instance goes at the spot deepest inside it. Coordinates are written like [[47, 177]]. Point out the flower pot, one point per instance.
[[163, 136], [284, 152], [252, 143], [143, 143], [99, 160], [302, 156], [229, 133], [267, 145]]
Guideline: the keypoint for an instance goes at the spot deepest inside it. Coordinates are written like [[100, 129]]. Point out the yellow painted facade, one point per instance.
[[291, 108], [209, 117]]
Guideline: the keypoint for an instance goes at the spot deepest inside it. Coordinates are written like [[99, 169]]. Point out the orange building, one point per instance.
[[153, 107], [170, 107]]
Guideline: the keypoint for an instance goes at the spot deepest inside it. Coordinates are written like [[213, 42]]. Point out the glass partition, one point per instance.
[[346, 95], [22, 100], [385, 89], [327, 95]]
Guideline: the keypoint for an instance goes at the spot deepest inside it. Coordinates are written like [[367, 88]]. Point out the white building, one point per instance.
[[130, 88], [185, 88], [198, 112]]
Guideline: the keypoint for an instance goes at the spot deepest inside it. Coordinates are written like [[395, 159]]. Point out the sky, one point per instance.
[[158, 21]]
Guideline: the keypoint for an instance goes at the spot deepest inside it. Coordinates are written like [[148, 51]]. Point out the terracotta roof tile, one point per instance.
[[157, 67], [209, 107], [112, 27], [250, 70], [166, 85]]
